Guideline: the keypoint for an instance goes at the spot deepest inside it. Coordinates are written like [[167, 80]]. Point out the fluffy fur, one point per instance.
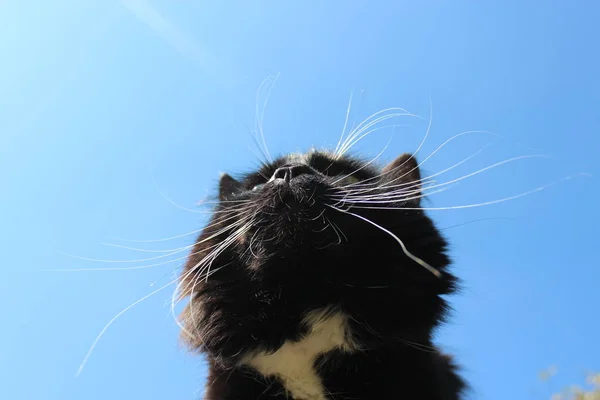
[[300, 289]]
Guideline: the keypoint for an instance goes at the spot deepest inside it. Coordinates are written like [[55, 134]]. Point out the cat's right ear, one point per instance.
[[227, 186], [404, 171]]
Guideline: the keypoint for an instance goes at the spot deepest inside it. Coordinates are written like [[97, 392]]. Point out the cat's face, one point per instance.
[[311, 226], [297, 203], [288, 205]]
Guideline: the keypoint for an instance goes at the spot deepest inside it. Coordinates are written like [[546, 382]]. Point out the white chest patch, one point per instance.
[[293, 363]]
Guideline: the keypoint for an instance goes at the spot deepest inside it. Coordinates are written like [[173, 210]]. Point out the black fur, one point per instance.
[[297, 255]]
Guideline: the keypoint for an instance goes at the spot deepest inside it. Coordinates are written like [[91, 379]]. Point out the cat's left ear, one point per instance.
[[227, 186], [404, 171]]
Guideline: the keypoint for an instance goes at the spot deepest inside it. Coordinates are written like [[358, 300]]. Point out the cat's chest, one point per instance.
[[294, 362]]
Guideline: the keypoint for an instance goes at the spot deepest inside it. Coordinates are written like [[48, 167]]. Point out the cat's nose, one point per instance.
[[291, 171]]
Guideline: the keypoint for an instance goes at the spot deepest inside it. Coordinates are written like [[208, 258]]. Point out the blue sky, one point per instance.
[[109, 108]]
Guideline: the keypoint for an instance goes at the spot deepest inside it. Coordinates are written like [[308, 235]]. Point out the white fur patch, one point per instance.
[[293, 363]]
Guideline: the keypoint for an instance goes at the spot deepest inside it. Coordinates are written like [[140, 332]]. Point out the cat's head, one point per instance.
[[323, 229]]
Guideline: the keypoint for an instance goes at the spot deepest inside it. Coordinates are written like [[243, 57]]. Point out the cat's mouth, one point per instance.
[[288, 213], [302, 194]]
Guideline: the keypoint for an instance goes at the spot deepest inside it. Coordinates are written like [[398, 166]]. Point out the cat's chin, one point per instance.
[[291, 218], [300, 197]]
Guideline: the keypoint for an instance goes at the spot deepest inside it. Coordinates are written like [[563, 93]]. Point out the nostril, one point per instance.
[[300, 169], [288, 172], [281, 173]]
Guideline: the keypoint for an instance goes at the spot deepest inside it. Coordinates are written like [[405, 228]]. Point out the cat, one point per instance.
[[319, 277]]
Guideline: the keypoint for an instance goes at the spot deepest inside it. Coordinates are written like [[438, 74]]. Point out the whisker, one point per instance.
[[428, 157], [212, 236], [476, 220], [335, 151], [260, 114], [103, 269], [525, 157], [390, 195], [340, 151], [200, 274], [364, 132], [377, 192], [103, 331], [418, 346], [422, 141], [428, 179], [393, 200], [365, 165], [340, 230], [121, 261], [194, 232], [495, 165], [335, 230], [359, 132], [487, 203], [416, 259], [251, 242], [262, 161], [120, 246], [169, 199]]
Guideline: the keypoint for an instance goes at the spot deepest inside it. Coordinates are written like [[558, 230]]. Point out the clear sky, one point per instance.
[[112, 111]]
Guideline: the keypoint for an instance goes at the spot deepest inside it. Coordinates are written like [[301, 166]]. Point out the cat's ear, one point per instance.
[[227, 186], [404, 171]]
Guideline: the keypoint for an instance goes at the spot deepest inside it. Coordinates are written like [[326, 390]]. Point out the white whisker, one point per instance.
[[120, 246], [428, 179], [171, 201], [194, 232], [260, 113], [359, 132], [416, 259], [207, 260], [401, 193], [487, 203], [365, 165], [212, 236], [335, 151], [93, 346]]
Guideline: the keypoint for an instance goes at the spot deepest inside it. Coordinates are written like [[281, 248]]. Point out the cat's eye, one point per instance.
[[258, 187], [350, 179]]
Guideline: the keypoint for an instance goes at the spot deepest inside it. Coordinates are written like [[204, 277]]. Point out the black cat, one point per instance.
[[319, 277]]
